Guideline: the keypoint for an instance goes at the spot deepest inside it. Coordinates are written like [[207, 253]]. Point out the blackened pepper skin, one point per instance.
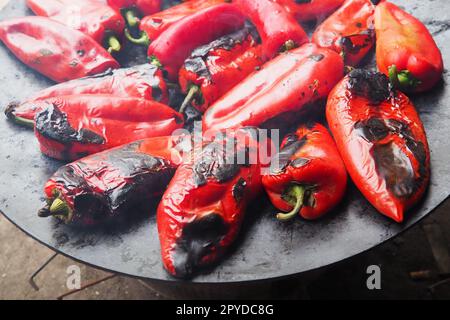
[[381, 140]]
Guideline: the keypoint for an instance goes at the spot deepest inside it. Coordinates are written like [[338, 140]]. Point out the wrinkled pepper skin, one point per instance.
[[285, 85], [278, 29], [110, 184], [406, 51], [71, 127], [177, 42], [143, 81], [53, 49], [310, 10], [92, 17], [350, 31], [381, 140], [307, 176], [201, 212], [145, 7], [215, 68], [156, 24]]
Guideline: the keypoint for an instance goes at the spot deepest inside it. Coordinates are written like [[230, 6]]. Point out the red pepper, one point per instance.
[[278, 29], [53, 49], [92, 17], [215, 68], [172, 47], [310, 10], [349, 31], [145, 7], [284, 86], [201, 212], [154, 25], [71, 127], [381, 140], [111, 184], [406, 51], [143, 81], [307, 177]]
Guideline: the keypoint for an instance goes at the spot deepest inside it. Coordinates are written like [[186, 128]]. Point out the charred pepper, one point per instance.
[[406, 51], [53, 49], [215, 68], [144, 7], [307, 177], [110, 184], [310, 10], [284, 87], [143, 81], [72, 127], [381, 140], [350, 31]]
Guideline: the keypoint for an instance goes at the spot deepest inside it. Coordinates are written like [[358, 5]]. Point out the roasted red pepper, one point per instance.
[[310, 10], [201, 212], [278, 29], [381, 140], [307, 177], [142, 81], [71, 127], [406, 51], [215, 68], [92, 17], [152, 26], [349, 31], [176, 43], [53, 49], [113, 183], [284, 86], [145, 7]]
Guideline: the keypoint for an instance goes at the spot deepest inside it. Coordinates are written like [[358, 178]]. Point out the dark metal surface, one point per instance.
[[267, 248]]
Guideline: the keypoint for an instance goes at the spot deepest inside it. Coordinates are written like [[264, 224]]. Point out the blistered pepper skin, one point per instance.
[[406, 51], [143, 81], [110, 184], [350, 31], [310, 160], [284, 85], [310, 10], [381, 140], [53, 49], [71, 127], [201, 212]]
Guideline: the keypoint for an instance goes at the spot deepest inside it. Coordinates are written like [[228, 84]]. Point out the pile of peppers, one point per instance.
[[240, 66]]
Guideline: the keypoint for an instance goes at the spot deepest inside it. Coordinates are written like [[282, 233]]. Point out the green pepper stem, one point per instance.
[[393, 76], [402, 80], [59, 208], [297, 192], [189, 97], [9, 112], [143, 40], [288, 45], [131, 19], [114, 44]]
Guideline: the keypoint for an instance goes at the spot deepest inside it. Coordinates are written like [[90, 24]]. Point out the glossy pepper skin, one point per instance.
[[201, 212], [110, 184], [350, 31], [145, 7], [172, 47], [72, 127], [310, 10], [92, 17], [278, 29], [307, 177], [142, 81], [406, 51], [53, 49], [284, 86], [381, 140], [215, 68]]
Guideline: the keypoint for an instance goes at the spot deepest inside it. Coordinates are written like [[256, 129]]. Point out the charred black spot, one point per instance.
[[396, 169], [369, 84], [317, 57], [375, 2], [300, 162], [303, 1], [353, 44], [198, 239], [239, 190], [373, 129], [91, 206], [52, 123], [282, 160]]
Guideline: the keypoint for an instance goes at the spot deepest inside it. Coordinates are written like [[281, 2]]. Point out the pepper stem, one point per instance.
[[59, 208], [9, 112], [190, 96], [131, 18], [298, 193], [288, 45], [114, 44], [143, 40], [403, 79]]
